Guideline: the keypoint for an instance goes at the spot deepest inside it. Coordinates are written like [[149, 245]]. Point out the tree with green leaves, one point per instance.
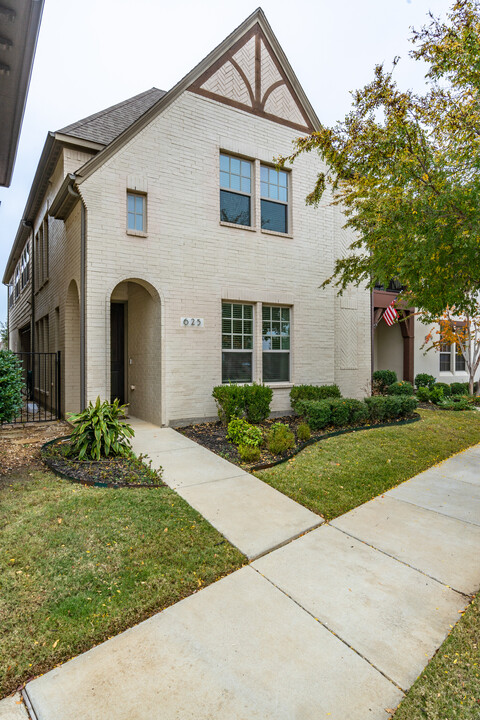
[[405, 169]]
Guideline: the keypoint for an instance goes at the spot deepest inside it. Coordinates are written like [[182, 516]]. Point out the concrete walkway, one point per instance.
[[336, 624]]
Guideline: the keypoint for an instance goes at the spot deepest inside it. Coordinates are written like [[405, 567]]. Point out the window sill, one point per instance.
[[279, 234], [137, 233], [239, 227], [279, 385]]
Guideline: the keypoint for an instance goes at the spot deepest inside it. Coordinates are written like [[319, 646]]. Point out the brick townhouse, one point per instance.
[[163, 253]]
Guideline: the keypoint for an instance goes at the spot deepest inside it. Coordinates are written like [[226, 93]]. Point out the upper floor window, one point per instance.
[[17, 281], [136, 215], [235, 190], [10, 295], [25, 265], [274, 199]]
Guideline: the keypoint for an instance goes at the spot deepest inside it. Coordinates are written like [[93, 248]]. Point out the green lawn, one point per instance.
[[449, 687], [78, 565], [340, 473]]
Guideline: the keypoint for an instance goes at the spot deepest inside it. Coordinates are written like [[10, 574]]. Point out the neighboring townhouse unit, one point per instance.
[[170, 255]]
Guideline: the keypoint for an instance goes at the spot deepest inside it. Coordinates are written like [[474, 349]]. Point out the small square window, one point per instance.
[[136, 219]]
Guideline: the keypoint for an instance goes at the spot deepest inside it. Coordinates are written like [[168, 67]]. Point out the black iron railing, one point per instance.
[[42, 389]]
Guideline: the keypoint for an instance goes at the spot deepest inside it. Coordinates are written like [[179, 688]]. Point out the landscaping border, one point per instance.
[[265, 466], [90, 483]]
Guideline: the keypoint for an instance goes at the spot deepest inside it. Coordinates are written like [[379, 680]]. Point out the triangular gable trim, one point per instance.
[[257, 17], [253, 87]]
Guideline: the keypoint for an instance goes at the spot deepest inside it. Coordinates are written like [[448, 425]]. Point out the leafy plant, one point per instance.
[[445, 388], [400, 388], [436, 395], [230, 401], [455, 403], [312, 392], [241, 432], [99, 432], [423, 393], [303, 432], [280, 439], [11, 386], [257, 399], [424, 380], [382, 379], [458, 388], [249, 453]]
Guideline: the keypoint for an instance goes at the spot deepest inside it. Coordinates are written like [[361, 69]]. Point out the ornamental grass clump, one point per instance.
[[303, 432], [99, 432], [11, 386], [280, 439]]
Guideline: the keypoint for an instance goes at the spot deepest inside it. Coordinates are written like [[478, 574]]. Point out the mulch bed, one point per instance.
[[20, 445], [213, 435], [112, 472]]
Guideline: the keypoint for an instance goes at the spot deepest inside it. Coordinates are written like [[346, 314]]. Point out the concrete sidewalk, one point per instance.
[[336, 624]]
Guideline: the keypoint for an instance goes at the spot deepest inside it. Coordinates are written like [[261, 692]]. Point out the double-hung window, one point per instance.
[[445, 357], [276, 343], [237, 342], [235, 190], [136, 216], [459, 360], [274, 199]]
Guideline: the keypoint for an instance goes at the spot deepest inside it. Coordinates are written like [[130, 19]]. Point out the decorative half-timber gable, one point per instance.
[[250, 77]]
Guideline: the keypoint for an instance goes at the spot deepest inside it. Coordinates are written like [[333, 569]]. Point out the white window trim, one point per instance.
[[239, 350], [132, 231]]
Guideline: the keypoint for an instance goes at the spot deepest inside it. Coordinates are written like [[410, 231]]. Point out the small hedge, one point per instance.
[[233, 400], [400, 388], [347, 411], [424, 380], [11, 386], [444, 387], [458, 388], [313, 392], [382, 379]]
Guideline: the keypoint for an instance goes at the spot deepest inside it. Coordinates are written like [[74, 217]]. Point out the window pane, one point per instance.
[[266, 327], [282, 194], [285, 343], [276, 367], [272, 176], [286, 314], [282, 178], [264, 189], [139, 205], [245, 185], [459, 362], [235, 182], [265, 312], [234, 208], [274, 216], [264, 173], [138, 222], [245, 169], [131, 203], [275, 313], [237, 327], [131, 221], [285, 328], [224, 163], [445, 359], [235, 165], [236, 367], [247, 327], [226, 325], [224, 180], [227, 342], [226, 310], [248, 342], [266, 342], [237, 311], [237, 342], [248, 312], [275, 343], [274, 192]]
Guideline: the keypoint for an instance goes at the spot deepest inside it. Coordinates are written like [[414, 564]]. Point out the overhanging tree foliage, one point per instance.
[[405, 169]]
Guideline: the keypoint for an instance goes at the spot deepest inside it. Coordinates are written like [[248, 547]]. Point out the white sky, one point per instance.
[[95, 53]]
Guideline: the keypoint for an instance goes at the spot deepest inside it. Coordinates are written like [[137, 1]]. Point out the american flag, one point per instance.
[[390, 314]]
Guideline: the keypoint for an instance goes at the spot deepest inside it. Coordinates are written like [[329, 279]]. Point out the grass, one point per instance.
[[78, 565], [337, 474], [449, 687]]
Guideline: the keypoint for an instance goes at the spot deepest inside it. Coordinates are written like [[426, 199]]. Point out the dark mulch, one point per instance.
[[212, 435], [127, 471]]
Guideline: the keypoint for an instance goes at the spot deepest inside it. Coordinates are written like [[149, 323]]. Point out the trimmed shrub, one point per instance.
[[400, 388], [99, 431], [424, 380], [390, 407], [280, 439], [11, 386], [339, 412], [357, 410], [423, 394], [382, 379], [303, 432], [456, 402], [241, 432], [458, 388], [230, 401], [318, 413], [313, 392], [249, 453], [436, 395], [445, 387], [257, 399], [408, 405]]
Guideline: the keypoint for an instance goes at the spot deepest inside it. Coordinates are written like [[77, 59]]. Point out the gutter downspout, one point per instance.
[[83, 225]]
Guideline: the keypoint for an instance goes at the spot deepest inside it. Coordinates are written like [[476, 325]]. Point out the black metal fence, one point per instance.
[[41, 394]]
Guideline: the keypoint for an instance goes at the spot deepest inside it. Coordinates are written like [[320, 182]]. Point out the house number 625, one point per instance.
[[191, 322]]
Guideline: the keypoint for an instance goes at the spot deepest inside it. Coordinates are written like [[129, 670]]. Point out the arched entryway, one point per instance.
[[135, 348], [71, 357]]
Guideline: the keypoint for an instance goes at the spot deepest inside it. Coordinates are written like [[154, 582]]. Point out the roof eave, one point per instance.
[[65, 199]]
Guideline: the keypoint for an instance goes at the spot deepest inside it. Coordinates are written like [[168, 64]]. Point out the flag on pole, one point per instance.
[[390, 314]]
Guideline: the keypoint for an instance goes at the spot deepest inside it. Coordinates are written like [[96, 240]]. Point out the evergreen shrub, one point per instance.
[[424, 380], [11, 386], [382, 379]]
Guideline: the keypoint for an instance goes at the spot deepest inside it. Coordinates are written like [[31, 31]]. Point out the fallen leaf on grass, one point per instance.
[[55, 644]]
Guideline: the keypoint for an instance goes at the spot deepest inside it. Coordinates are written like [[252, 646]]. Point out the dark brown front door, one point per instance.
[[117, 338]]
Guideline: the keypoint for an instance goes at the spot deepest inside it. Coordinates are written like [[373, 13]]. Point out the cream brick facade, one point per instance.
[[188, 262]]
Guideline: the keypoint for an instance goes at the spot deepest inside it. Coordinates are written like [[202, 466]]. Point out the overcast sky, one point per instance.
[[95, 53]]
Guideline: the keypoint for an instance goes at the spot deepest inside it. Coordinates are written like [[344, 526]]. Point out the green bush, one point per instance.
[[357, 410], [318, 413], [339, 412], [257, 399], [313, 392], [230, 401], [382, 379], [423, 394], [303, 432], [455, 403], [390, 407], [11, 386], [280, 439], [458, 388], [400, 388], [241, 432], [424, 380], [249, 453], [436, 395], [444, 387], [408, 404], [98, 431]]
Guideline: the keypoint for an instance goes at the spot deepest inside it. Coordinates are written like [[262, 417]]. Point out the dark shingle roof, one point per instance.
[[106, 125]]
